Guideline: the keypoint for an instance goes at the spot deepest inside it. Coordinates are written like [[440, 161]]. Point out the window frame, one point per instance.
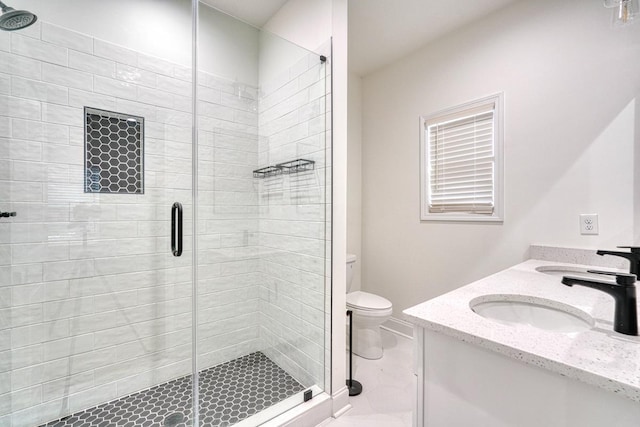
[[495, 100]]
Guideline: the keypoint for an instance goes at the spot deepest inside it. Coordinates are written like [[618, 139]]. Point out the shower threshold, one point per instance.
[[229, 393]]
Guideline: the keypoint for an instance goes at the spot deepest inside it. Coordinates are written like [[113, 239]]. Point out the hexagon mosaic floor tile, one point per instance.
[[229, 393]]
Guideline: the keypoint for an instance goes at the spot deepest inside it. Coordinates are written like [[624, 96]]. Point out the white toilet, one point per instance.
[[369, 312]]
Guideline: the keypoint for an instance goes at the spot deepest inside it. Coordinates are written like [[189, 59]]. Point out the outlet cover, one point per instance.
[[589, 224]]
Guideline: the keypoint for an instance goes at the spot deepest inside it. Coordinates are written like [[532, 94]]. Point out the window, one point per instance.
[[461, 162]]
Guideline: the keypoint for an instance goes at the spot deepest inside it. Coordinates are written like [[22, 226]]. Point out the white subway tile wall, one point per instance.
[[90, 294], [228, 256], [92, 304]]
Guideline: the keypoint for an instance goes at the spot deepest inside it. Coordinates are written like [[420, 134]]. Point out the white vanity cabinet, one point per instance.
[[462, 384], [473, 371]]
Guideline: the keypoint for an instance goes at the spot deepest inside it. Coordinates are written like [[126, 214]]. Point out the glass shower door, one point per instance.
[[262, 240], [95, 149]]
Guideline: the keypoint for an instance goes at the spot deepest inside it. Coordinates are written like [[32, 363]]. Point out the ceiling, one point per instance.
[[380, 31], [254, 12]]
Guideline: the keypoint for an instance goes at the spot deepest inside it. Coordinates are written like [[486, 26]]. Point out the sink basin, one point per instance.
[[562, 270], [535, 312]]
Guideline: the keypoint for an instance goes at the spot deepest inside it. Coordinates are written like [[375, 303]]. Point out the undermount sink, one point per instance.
[[535, 312], [561, 270]]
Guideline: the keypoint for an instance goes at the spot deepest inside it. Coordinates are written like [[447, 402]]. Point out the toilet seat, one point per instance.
[[370, 313], [367, 304]]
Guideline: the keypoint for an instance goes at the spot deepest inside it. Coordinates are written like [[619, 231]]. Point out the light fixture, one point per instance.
[[624, 11]]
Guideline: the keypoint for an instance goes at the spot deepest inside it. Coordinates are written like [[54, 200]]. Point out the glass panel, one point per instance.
[[262, 238], [294, 244], [94, 308]]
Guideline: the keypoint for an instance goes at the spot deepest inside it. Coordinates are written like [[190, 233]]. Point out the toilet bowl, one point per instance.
[[369, 312]]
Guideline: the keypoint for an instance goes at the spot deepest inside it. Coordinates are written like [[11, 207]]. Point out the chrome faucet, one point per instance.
[[633, 257], [623, 291]]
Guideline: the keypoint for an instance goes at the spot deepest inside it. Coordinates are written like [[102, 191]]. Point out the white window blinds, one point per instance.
[[461, 162]]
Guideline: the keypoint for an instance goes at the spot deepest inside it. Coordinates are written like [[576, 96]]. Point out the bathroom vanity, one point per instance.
[[518, 348]]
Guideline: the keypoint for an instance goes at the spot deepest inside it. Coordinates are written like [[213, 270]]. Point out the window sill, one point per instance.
[[461, 218]]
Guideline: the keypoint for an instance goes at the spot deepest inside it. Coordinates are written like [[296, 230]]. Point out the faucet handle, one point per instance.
[[634, 249], [623, 279]]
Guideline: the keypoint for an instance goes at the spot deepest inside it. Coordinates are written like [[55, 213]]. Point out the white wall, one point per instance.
[[571, 84], [339, 129], [227, 47], [354, 177], [277, 57], [304, 22], [160, 28]]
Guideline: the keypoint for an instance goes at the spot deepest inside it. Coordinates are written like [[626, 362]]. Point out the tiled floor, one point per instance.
[[388, 388], [229, 393], [386, 399]]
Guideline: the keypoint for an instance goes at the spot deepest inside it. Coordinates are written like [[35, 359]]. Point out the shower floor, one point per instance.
[[229, 393]]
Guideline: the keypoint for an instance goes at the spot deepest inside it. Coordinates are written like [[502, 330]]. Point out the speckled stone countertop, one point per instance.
[[598, 356]]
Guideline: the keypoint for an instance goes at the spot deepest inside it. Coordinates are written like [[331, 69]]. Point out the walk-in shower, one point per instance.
[[151, 274]]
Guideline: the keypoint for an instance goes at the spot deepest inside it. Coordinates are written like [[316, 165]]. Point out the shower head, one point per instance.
[[12, 20]]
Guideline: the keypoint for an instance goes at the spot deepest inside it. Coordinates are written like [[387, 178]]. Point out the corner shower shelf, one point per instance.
[[294, 166]]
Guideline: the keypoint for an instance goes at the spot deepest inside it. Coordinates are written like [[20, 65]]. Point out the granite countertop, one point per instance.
[[598, 356]]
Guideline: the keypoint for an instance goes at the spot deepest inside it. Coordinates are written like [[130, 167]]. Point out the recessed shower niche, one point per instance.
[[114, 145]]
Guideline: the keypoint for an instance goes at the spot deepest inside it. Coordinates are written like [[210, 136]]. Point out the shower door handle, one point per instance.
[[176, 229]]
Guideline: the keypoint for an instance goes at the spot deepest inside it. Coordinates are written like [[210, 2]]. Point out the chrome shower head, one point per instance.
[[12, 20]]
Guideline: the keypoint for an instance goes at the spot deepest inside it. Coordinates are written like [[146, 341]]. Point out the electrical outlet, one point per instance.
[[589, 224]]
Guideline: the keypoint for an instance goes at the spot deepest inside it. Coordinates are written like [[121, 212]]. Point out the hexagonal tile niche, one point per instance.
[[114, 152]]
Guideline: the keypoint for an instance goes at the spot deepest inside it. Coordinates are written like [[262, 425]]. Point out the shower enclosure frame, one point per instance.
[[194, 217], [195, 377]]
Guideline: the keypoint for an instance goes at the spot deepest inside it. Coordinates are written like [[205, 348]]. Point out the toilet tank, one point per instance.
[[351, 260]]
